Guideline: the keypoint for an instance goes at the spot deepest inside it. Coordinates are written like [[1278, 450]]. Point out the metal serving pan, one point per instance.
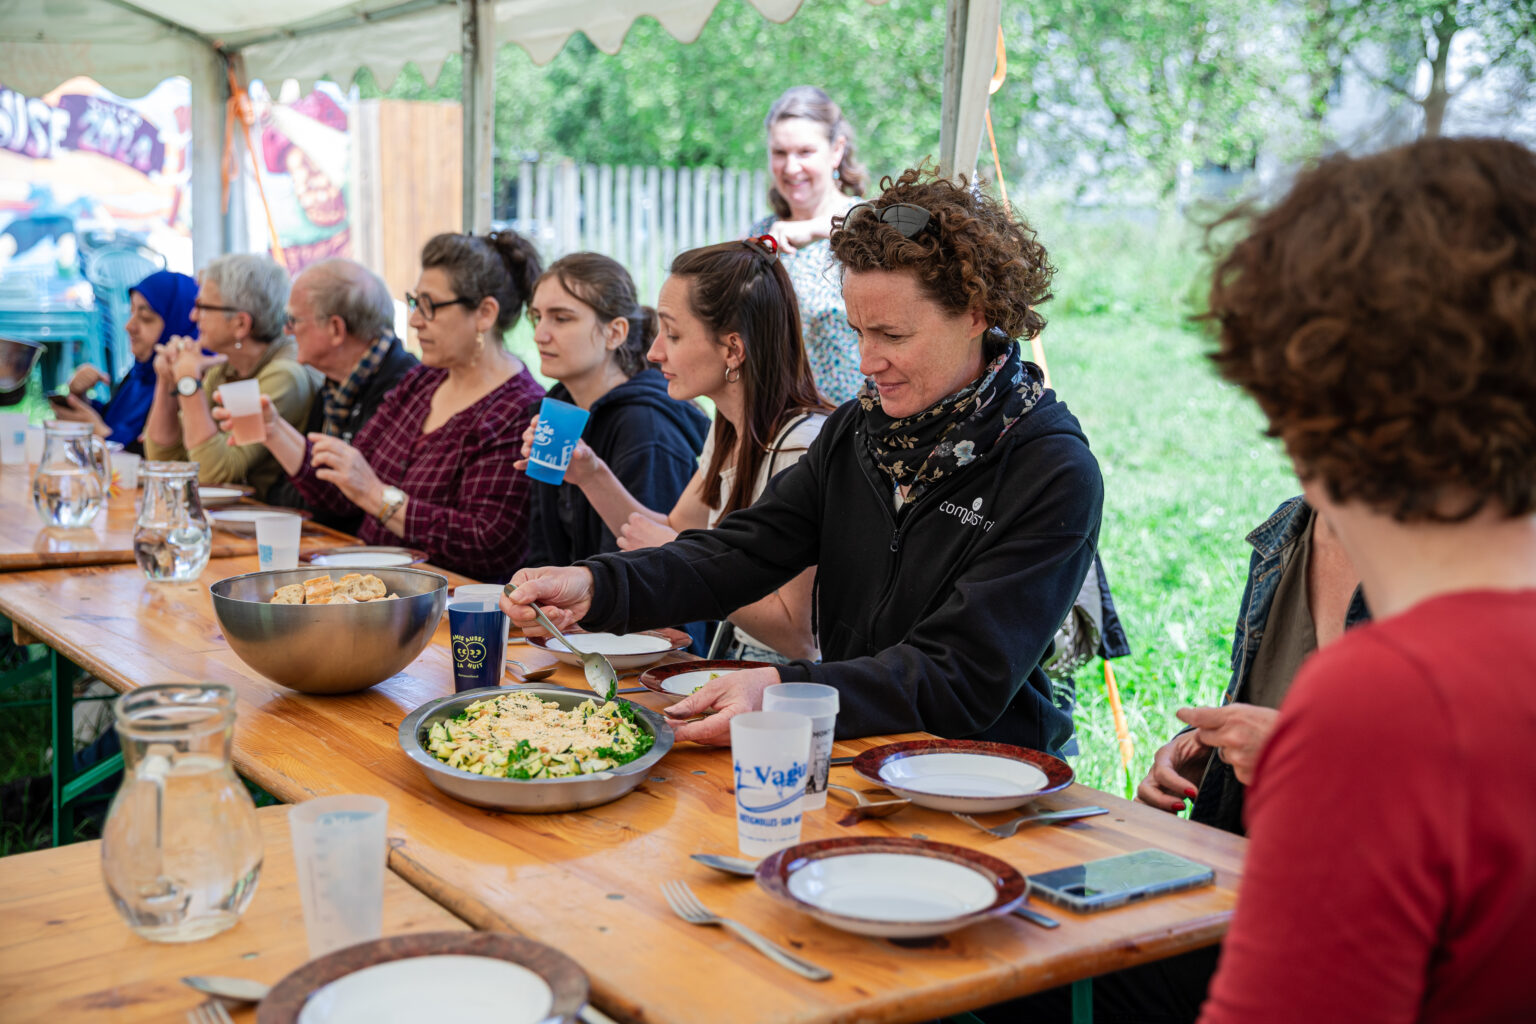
[[529, 796]]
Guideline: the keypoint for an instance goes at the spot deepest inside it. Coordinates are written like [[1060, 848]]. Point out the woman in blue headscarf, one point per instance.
[[162, 307]]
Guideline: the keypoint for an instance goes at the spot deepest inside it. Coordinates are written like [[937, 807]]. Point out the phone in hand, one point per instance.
[[59, 401], [1116, 881]]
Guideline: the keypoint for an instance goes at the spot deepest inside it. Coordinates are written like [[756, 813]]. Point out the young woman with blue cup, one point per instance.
[[592, 335], [730, 332]]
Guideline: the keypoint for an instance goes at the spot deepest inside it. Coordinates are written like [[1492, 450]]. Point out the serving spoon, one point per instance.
[[599, 672]]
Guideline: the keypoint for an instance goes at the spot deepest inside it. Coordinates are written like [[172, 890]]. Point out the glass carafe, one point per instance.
[[181, 850], [70, 485], [173, 537]]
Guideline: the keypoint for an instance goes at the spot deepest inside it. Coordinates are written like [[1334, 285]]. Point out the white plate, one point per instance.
[[211, 494], [362, 560], [426, 988], [891, 894], [685, 683], [961, 775], [624, 651], [239, 520]]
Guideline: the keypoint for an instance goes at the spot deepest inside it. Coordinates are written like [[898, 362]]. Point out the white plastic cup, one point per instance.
[[242, 398], [339, 851], [486, 592], [125, 466], [13, 439], [37, 439], [769, 753], [818, 703], [277, 540]]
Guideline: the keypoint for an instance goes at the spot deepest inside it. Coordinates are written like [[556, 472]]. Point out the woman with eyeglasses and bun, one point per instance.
[[952, 511], [816, 177], [729, 332], [435, 467]]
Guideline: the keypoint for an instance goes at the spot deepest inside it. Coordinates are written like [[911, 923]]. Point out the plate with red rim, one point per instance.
[[891, 886], [624, 651], [364, 556], [684, 677], [404, 977], [968, 776]]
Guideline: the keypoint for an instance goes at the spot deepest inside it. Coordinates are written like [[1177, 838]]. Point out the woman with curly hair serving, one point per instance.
[[1383, 315], [953, 509]]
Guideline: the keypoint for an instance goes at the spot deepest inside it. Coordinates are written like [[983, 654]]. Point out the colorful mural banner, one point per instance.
[[305, 153]]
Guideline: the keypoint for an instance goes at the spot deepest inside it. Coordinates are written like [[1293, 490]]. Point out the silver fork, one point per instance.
[[211, 1012], [687, 906], [1008, 828]]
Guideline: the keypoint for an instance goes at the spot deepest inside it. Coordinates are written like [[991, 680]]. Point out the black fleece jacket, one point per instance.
[[935, 618], [650, 440]]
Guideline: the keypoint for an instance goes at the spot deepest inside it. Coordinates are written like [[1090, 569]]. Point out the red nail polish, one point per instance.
[[1191, 793]]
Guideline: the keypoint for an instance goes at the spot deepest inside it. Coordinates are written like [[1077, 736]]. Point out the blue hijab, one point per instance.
[[170, 295]]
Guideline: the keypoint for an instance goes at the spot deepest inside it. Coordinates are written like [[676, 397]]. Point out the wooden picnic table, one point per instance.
[[588, 882], [25, 543], [66, 954]]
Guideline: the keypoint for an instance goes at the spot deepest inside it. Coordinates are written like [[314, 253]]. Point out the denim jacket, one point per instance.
[[1220, 802]]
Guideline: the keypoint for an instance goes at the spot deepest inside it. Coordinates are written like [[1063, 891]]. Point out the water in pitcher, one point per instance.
[[68, 497], [248, 429], [174, 554], [181, 849]]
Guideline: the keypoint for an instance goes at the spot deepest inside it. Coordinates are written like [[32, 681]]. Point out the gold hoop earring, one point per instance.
[[730, 370]]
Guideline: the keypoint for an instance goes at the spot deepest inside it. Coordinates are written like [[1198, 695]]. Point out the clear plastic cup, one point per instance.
[[339, 851], [818, 703], [277, 540], [13, 438], [243, 400], [125, 466], [769, 752]]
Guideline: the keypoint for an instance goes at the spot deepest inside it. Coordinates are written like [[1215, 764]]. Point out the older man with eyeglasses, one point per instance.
[[341, 316], [240, 315]]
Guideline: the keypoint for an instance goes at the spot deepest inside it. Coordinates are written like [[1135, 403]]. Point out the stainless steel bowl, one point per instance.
[[338, 648], [529, 796]]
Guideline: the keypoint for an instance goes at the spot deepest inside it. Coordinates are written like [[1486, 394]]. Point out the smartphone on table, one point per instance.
[[1116, 881]]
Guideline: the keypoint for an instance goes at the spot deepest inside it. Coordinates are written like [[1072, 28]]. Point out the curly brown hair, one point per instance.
[[1383, 315], [972, 253]]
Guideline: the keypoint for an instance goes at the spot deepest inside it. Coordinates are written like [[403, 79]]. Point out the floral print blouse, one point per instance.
[[830, 344]]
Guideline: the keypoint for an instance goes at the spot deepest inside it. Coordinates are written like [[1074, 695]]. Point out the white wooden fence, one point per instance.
[[641, 216]]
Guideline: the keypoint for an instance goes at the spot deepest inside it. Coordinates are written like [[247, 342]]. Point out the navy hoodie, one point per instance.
[[650, 440], [933, 619]]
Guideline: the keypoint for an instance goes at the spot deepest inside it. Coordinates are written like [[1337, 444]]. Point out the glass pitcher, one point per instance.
[[173, 538], [181, 851], [71, 482]]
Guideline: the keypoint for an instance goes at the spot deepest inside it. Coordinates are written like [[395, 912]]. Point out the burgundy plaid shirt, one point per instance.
[[468, 507]]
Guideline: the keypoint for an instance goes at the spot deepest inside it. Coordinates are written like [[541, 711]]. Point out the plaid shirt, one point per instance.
[[468, 507], [337, 399]]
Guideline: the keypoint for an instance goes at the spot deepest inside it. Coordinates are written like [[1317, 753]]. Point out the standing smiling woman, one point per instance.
[[592, 335], [815, 172], [953, 510], [434, 467]]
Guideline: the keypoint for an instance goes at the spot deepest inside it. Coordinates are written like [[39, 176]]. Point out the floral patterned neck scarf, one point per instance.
[[919, 450]]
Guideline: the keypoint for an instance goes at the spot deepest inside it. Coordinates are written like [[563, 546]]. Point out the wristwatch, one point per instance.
[[394, 497], [188, 386]]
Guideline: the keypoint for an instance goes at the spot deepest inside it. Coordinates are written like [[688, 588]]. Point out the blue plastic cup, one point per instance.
[[560, 427], [477, 630]]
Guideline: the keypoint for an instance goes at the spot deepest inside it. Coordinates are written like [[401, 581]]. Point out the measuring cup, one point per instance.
[[339, 851]]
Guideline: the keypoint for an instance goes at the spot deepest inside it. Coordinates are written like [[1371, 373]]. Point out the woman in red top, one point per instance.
[[434, 466], [1383, 315]]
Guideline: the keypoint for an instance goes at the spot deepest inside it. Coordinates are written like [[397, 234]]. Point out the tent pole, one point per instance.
[[479, 46], [970, 49], [209, 90], [955, 19]]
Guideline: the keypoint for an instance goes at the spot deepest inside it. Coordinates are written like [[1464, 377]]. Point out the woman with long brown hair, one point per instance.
[[730, 332]]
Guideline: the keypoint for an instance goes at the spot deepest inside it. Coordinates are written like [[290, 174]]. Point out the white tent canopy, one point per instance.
[[130, 45]]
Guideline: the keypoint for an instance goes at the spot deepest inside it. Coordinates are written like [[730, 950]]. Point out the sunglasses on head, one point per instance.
[[904, 217]]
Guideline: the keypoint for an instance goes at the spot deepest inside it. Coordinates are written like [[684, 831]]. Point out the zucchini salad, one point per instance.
[[519, 736]]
